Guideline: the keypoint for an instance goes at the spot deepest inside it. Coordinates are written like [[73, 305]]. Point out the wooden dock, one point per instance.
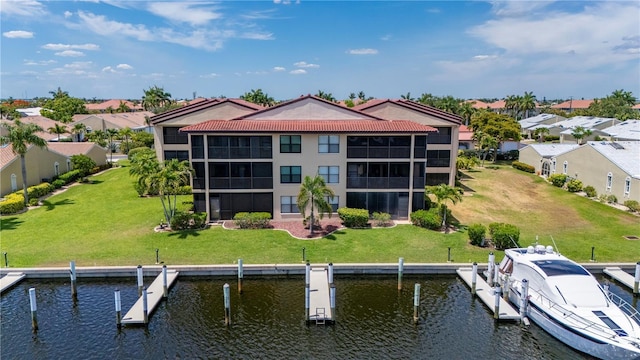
[[154, 294], [319, 299], [485, 293], [9, 280], [620, 276]]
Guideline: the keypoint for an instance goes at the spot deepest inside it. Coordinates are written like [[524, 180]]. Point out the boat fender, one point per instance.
[[525, 321]]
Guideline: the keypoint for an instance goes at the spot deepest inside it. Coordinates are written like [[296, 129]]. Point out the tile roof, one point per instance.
[[44, 122], [416, 106], [313, 126], [500, 104], [6, 155], [465, 133], [198, 106], [477, 104], [132, 120], [573, 104], [628, 130], [113, 103], [625, 154], [71, 148]]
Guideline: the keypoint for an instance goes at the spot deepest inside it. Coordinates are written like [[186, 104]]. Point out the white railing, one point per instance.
[[624, 306]]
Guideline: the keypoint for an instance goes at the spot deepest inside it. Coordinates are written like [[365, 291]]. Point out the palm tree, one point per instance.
[[258, 97], [581, 132], [407, 97], [122, 108], [314, 193], [57, 129], [167, 181], [540, 133], [155, 99], [126, 133], [327, 96], [98, 137], [527, 102], [111, 134], [78, 129], [143, 165], [443, 193], [20, 136], [466, 110]]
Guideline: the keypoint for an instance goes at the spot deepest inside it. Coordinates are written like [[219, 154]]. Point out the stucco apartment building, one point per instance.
[[378, 156]]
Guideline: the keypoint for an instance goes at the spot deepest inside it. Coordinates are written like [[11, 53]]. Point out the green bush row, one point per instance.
[[476, 233], [354, 218], [70, 176], [429, 219], [504, 235], [633, 205], [524, 167], [12, 204], [574, 185], [252, 220], [183, 220]]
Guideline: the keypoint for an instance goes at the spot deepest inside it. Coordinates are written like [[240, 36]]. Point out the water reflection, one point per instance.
[[373, 320]]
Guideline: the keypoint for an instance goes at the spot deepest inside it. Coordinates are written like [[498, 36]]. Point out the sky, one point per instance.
[[469, 50]]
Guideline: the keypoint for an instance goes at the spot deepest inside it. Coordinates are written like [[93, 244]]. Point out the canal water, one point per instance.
[[373, 321]]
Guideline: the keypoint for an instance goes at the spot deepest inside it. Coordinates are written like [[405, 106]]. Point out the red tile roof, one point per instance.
[[477, 104], [309, 126], [6, 155], [573, 104], [71, 148], [113, 103], [200, 105], [496, 105], [465, 133], [416, 106]]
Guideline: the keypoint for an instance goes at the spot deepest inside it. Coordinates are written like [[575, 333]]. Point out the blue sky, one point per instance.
[[116, 49]]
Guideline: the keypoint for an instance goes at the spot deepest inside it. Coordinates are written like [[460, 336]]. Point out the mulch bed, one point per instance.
[[297, 229]]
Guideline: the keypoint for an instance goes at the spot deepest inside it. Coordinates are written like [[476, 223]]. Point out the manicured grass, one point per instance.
[[106, 223]]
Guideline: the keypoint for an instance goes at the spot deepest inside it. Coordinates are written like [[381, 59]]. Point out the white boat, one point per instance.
[[564, 299]]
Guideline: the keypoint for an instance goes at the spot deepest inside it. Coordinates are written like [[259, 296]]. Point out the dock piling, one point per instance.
[[496, 273], [416, 302], [400, 270], [524, 299], [307, 290], [505, 288], [496, 307], [165, 287], [140, 282], [474, 278], [330, 274], [490, 265], [240, 275], [332, 299], [636, 280], [145, 306], [6, 261], [593, 258], [157, 256], [227, 305], [449, 254], [74, 291], [34, 309], [118, 308]]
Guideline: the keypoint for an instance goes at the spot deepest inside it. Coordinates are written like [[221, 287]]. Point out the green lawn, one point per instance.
[[106, 223]]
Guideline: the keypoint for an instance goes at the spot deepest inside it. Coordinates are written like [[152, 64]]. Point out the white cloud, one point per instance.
[[41, 63], [68, 14], [209, 76], [70, 53], [102, 26], [517, 8], [484, 57], [303, 64], [386, 37], [279, 69], [58, 47], [191, 13], [18, 34], [362, 51], [27, 8], [79, 65], [298, 72], [124, 67], [108, 69]]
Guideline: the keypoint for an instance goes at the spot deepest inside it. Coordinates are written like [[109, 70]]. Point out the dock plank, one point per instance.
[[485, 293], [319, 294], [620, 275], [9, 280], [154, 295]]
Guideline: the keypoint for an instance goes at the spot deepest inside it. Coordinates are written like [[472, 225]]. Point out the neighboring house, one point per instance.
[[543, 156], [35, 111], [43, 164], [44, 123], [628, 130], [531, 124], [256, 161], [112, 105], [571, 105], [136, 121], [498, 106], [565, 128], [612, 168], [477, 104], [465, 138], [170, 143]]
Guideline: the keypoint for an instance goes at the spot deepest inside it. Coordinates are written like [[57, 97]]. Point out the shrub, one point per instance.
[[39, 190], [183, 220], [612, 199], [633, 205], [70, 176], [524, 167], [557, 179], [574, 185], [182, 190], [476, 234], [590, 191], [381, 218], [252, 220], [602, 198], [354, 218], [504, 235], [58, 183], [12, 203], [429, 219], [34, 202], [133, 152], [552, 137]]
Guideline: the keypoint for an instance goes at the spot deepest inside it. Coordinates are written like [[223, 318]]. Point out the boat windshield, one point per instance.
[[560, 267]]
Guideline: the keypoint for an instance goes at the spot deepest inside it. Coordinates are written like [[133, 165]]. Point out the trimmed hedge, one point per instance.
[[354, 218], [574, 185], [504, 235], [590, 191], [40, 190], [557, 179], [12, 204], [183, 220], [429, 219], [252, 220], [476, 234], [70, 176], [524, 167]]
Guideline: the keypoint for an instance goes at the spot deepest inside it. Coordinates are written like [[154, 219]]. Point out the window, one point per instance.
[[172, 135], [553, 166], [238, 147], [443, 136], [290, 174], [328, 144], [181, 155], [289, 205], [197, 146], [68, 164], [627, 186], [198, 175], [609, 181], [437, 179], [56, 168], [565, 167], [438, 158], [333, 202], [290, 143], [331, 174], [14, 182]]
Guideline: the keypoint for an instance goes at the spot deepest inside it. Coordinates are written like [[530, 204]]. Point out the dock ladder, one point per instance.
[[320, 316]]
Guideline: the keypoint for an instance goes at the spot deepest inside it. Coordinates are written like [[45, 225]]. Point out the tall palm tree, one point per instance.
[[98, 137], [314, 193], [20, 136], [155, 99], [78, 129], [540, 133], [144, 165], [122, 108], [527, 102], [126, 134], [581, 132], [258, 97], [466, 110], [444, 193], [58, 129]]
